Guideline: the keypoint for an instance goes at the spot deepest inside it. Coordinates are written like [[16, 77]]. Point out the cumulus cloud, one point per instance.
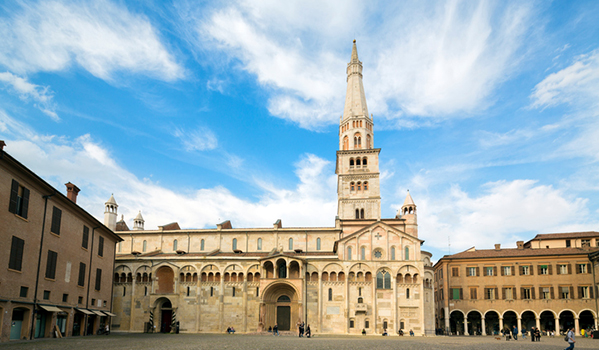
[[504, 212], [90, 165], [99, 36], [41, 95], [439, 59]]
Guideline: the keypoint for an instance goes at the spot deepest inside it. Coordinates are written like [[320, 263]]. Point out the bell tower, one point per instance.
[[358, 189]]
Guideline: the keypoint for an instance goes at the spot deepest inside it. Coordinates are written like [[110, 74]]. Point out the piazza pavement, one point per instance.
[[241, 341]]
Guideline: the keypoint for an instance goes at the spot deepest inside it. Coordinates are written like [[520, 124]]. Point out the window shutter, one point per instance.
[[56, 216], [577, 269], [572, 293], [98, 279], [502, 271], [514, 296], [461, 294], [85, 241], [467, 271], [25, 203], [81, 281], [496, 293], [558, 269], [51, 265], [477, 271], [521, 293], [531, 269], [551, 291], [540, 292], [579, 292], [101, 246], [513, 270], [569, 269], [521, 269], [494, 270], [591, 290], [14, 193], [16, 254], [550, 270], [538, 269], [588, 268], [503, 293], [532, 293]]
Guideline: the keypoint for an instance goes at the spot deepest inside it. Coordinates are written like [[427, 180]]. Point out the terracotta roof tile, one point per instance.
[[566, 235], [514, 252]]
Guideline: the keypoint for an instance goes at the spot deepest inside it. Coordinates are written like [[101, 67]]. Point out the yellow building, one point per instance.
[[366, 273], [546, 283]]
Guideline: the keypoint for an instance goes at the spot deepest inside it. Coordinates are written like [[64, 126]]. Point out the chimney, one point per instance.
[[72, 192], [2, 144], [497, 246], [520, 244]]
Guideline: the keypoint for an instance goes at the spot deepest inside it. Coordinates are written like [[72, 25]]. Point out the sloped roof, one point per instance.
[[585, 234], [515, 252]]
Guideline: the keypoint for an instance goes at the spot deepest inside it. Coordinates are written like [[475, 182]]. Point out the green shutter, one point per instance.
[[456, 293]]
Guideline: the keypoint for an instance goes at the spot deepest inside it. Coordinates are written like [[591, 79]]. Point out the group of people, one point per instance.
[[230, 330], [274, 330], [304, 330]]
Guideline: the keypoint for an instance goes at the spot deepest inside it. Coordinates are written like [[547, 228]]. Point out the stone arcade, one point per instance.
[[365, 273]]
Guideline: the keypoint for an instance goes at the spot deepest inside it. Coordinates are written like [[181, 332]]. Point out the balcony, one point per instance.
[[361, 307]]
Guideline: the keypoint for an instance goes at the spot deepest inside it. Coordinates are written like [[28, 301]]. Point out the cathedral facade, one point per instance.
[[364, 274]]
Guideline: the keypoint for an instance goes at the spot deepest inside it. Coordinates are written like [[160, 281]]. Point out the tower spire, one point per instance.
[[355, 99]]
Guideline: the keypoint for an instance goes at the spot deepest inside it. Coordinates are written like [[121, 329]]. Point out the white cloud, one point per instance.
[[93, 168], [201, 139], [506, 211], [99, 36], [439, 59], [42, 95]]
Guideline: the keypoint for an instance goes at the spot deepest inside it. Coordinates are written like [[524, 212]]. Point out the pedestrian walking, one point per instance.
[[275, 330], [570, 339], [515, 332]]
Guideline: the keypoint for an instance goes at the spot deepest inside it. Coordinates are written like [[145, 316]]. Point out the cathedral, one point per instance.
[[365, 274]]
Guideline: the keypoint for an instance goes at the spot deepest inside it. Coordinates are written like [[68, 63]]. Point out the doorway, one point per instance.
[[17, 322], [40, 324], [284, 318]]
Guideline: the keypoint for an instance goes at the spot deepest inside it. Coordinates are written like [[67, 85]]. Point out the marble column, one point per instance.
[[577, 325], [483, 325], [465, 324], [500, 324], [520, 325]]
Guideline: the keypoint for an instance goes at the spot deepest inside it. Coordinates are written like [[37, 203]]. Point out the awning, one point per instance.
[[50, 308], [543, 266], [99, 313], [110, 314], [87, 312]]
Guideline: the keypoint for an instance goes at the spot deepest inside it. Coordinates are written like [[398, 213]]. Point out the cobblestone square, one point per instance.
[[239, 341]]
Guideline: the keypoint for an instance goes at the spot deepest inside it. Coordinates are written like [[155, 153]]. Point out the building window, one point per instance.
[[584, 292], [526, 294], [545, 293], [51, 265], [543, 270], [175, 245], [98, 279], [16, 254], [564, 292], [317, 243], [366, 324], [365, 183], [378, 254], [330, 294], [24, 291], [351, 323], [361, 213], [290, 243], [211, 291], [85, 239], [489, 271], [582, 268], [585, 242], [563, 269], [508, 293], [383, 280], [234, 243], [407, 254], [456, 293], [392, 253], [19, 200], [257, 291], [525, 270], [46, 295], [65, 298], [363, 253], [233, 292], [507, 270], [568, 244], [56, 217], [145, 246], [357, 213], [385, 325], [100, 246], [81, 280], [93, 302], [472, 271], [259, 244], [473, 293], [490, 293], [80, 300], [352, 187], [145, 291], [455, 272], [187, 291], [349, 253], [359, 187], [202, 245], [407, 293]]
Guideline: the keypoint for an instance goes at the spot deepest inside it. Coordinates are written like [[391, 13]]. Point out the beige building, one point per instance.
[[546, 282], [57, 259], [366, 273]]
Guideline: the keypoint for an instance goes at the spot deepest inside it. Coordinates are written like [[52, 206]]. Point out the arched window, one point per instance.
[[259, 244], [407, 253], [330, 294], [351, 162], [365, 161], [290, 243], [234, 243], [348, 253], [407, 293], [318, 243], [368, 142], [357, 213], [202, 245], [120, 247], [145, 291], [358, 162], [361, 213], [175, 245], [359, 186], [383, 280], [392, 253], [187, 291], [145, 246], [352, 187], [345, 143], [366, 186], [362, 253]]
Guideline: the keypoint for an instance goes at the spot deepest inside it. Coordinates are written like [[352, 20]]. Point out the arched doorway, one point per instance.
[[529, 320], [280, 306], [456, 322], [566, 320], [474, 323], [163, 315], [586, 320], [510, 319], [547, 321], [492, 323]]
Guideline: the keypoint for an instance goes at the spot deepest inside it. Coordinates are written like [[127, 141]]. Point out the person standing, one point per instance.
[[570, 339], [308, 332], [275, 330], [515, 332], [301, 329]]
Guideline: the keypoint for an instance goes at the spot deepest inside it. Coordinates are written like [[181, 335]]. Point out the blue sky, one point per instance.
[[198, 112]]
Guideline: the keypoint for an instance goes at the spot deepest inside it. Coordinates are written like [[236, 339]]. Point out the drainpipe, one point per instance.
[[112, 287], [594, 289], [89, 276], [39, 262]]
